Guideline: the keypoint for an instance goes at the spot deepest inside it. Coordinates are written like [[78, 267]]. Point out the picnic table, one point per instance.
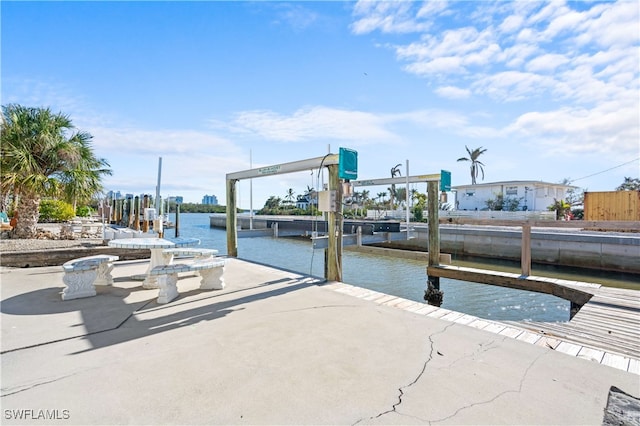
[[156, 245]]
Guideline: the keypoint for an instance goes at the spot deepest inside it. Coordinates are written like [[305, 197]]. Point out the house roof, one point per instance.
[[533, 183]]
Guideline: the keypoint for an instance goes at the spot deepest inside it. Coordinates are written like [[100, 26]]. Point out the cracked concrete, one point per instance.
[[274, 347]]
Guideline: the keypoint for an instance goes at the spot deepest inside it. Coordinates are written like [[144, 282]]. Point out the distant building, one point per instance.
[[532, 195], [114, 195], [304, 202], [210, 199]]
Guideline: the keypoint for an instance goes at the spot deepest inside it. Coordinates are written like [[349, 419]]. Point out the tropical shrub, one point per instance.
[[561, 207], [55, 211], [83, 211]]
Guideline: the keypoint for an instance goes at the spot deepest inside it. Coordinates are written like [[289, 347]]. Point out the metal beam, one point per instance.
[[278, 169], [388, 181]]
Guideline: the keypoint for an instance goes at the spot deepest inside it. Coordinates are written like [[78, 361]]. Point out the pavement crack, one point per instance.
[[495, 397], [35, 385], [401, 389]]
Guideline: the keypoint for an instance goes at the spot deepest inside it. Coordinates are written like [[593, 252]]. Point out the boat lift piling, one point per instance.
[[437, 181]]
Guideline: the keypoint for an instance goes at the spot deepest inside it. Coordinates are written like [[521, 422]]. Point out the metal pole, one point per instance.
[[407, 198], [157, 200], [250, 193]]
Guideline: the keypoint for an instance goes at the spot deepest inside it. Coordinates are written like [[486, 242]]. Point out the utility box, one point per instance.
[[327, 201]]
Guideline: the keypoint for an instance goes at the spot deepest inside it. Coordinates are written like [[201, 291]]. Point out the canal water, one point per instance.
[[399, 277]]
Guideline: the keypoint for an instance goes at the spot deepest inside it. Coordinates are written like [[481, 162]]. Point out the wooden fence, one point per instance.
[[612, 205]]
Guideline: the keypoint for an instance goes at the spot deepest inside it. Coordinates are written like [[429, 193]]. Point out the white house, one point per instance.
[[307, 200], [532, 195]]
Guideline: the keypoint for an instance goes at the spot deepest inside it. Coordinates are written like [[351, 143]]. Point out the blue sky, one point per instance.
[[551, 90]]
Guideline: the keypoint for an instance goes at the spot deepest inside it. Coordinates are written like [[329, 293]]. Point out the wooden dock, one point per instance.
[[604, 324], [605, 330], [609, 322]]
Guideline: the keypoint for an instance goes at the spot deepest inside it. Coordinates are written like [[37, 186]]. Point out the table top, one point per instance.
[[151, 243]]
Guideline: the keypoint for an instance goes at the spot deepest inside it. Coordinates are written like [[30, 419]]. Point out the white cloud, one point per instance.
[[615, 25], [512, 86], [603, 130], [568, 57], [314, 123], [357, 127], [511, 24], [432, 8], [452, 92], [546, 63], [442, 65], [296, 16], [159, 142], [388, 17], [516, 56]]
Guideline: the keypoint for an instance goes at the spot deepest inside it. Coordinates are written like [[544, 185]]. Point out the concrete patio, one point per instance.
[[273, 347]]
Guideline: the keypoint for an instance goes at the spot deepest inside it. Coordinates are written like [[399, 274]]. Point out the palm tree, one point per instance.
[[83, 182], [289, 196], [365, 197], [42, 155], [476, 165], [395, 171], [401, 195]]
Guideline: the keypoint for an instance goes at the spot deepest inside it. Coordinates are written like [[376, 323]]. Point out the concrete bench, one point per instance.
[[198, 253], [83, 274], [211, 271]]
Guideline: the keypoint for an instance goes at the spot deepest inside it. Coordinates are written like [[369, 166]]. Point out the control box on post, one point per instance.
[[327, 201]]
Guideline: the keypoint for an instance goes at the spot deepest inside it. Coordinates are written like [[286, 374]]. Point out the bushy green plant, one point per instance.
[[83, 211], [55, 211], [418, 213], [561, 207]]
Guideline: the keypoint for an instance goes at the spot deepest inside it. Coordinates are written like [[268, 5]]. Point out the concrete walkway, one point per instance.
[[273, 347]]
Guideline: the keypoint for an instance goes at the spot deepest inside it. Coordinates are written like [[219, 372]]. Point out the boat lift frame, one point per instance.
[[333, 255], [433, 182]]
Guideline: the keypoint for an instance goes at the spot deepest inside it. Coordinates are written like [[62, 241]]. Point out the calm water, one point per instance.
[[400, 277]]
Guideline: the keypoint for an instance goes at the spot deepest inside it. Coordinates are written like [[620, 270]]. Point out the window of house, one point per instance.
[[470, 192], [511, 190]]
